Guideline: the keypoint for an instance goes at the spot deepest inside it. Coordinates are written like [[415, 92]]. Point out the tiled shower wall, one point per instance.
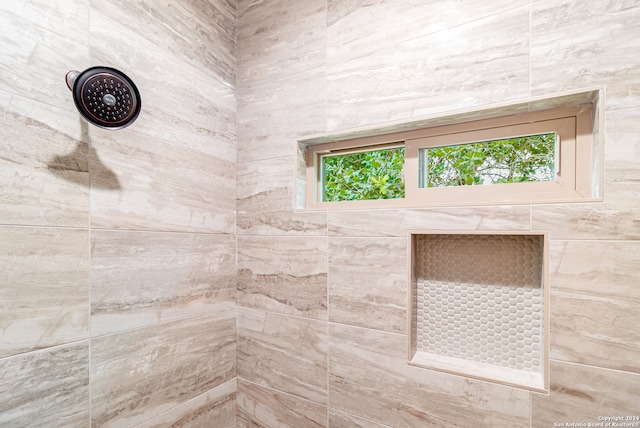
[[322, 296], [117, 248]]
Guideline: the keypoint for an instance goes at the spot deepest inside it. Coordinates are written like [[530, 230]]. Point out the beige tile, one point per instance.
[[358, 27], [458, 116], [41, 41], [285, 353], [142, 373], [265, 201], [369, 378], [143, 278], [287, 275], [264, 407], [617, 216], [266, 114], [368, 282], [482, 62], [215, 408], [595, 296], [279, 38], [578, 44], [44, 166], [582, 394], [345, 420], [46, 388], [201, 33], [146, 184], [622, 146], [182, 105], [397, 222], [44, 288]]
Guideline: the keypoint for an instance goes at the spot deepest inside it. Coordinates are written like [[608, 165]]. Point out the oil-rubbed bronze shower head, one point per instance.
[[105, 96]]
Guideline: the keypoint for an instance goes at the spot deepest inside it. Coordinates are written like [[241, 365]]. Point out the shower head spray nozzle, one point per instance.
[[105, 96]]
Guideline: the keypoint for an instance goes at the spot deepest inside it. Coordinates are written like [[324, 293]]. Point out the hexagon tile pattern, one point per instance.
[[479, 298]]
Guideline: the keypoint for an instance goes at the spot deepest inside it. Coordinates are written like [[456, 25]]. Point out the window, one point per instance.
[[508, 160], [541, 157], [361, 175], [551, 176]]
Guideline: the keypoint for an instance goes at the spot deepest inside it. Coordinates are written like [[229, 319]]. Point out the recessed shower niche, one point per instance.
[[478, 305]]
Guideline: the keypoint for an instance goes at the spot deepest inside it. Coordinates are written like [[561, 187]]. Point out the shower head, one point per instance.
[[105, 96]]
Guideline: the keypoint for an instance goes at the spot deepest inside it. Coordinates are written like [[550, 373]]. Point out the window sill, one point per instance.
[[588, 186]]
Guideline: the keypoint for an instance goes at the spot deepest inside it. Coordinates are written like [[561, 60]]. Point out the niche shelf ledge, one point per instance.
[[478, 305]]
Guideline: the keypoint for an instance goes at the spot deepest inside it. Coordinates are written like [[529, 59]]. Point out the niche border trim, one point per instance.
[[536, 380]]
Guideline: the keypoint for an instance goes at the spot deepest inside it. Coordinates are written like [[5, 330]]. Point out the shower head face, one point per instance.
[[105, 97]]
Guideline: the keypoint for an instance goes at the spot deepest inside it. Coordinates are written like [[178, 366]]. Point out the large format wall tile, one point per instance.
[[46, 388], [172, 171], [274, 115], [622, 146], [184, 106], [265, 407], [577, 44], [582, 394], [595, 296], [279, 38], [287, 275], [369, 377], [44, 165], [357, 27], [41, 41], [139, 374], [397, 222], [345, 420], [284, 353], [215, 408], [44, 288], [617, 216], [485, 61], [144, 183], [368, 282], [202, 34], [142, 278], [265, 201]]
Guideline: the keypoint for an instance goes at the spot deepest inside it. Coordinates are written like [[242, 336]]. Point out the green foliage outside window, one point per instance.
[[512, 160], [378, 174], [367, 175]]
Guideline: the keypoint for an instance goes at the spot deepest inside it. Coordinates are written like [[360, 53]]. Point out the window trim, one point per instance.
[[563, 123], [578, 151]]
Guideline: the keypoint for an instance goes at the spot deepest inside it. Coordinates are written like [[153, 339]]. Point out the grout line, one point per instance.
[[317, 320], [589, 366], [45, 349], [86, 135], [530, 409], [297, 397], [110, 229], [89, 270], [530, 46], [327, 255], [212, 311]]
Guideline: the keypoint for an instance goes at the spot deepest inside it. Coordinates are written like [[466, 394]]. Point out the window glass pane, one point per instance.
[[511, 160], [375, 174]]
